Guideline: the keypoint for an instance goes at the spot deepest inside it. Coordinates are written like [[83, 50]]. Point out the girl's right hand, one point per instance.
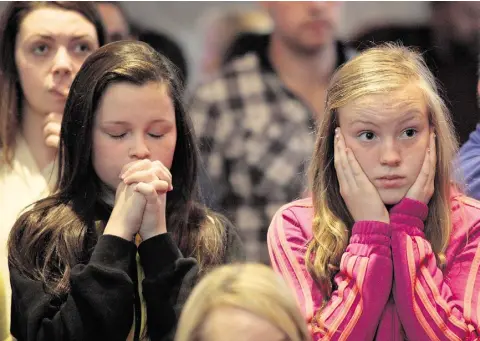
[[360, 195], [127, 214]]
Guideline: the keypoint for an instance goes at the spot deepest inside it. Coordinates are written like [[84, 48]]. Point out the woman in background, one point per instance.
[[42, 46]]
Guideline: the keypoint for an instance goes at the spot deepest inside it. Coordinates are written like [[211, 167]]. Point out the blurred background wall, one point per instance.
[[182, 20]]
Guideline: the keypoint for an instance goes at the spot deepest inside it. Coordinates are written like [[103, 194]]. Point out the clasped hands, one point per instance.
[[140, 200]]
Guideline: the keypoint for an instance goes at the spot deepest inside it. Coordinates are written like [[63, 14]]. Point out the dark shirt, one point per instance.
[[104, 301]]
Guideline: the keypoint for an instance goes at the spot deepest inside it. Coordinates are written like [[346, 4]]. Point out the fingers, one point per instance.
[[51, 129], [342, 165], [134, 166], [433, 159], [155, 171], [425, 171], [145, 168], [148, 190]]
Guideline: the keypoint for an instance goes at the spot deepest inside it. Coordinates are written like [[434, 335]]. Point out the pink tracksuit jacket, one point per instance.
[[389, 285]]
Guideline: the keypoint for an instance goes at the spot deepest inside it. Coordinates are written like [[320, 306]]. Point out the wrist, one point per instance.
[[118, 231], [147, 234]]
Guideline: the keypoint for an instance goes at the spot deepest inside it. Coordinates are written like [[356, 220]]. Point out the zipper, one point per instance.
[[137, 310]]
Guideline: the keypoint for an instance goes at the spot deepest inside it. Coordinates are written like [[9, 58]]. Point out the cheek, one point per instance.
[[29, 77], [365, 156], [108, 160], [164, 150]]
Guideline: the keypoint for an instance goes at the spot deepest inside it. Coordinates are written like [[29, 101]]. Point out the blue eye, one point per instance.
[[366, 136], [409, 133]]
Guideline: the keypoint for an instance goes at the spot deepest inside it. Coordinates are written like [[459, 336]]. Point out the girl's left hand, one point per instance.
[[153, 180], [422, 189]]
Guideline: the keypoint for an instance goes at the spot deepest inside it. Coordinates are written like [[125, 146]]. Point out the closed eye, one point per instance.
[[156, 136], [117, 136]]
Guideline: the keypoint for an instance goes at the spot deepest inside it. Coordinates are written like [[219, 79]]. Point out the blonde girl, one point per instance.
[[387, 248], [242, 302]]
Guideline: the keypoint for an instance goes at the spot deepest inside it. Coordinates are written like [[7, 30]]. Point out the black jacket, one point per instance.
[[103, 300]]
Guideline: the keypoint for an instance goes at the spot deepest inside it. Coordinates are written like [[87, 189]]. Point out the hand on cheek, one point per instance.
[[423, 187], [360, 195]]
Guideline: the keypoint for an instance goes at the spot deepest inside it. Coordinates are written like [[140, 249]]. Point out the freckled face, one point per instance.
[[389, 135]]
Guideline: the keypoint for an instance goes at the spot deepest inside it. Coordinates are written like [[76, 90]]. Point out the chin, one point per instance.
[[391, 197]]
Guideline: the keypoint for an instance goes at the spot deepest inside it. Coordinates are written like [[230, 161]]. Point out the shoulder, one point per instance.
[[465, 215], [217, 88], [293, 220]]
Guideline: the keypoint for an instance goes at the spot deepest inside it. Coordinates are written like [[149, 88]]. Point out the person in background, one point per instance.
[[469, 155], [255, 120], [247, 302], [450, 45], [387, 247], [116, 21], [43, 45], [119, 27], [113, 253], [220, 29], [165, 45]]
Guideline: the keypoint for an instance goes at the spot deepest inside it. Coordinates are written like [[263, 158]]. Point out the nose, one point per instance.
[[139, 149], [62, 63], [390, 154]]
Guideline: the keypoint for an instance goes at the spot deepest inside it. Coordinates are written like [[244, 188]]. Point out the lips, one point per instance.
[[59, 92], [391, 181], [391, 177]]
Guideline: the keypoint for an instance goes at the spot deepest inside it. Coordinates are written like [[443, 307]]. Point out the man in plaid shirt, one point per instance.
[[255, 120]]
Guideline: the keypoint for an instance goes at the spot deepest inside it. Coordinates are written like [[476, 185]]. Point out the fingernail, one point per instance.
[[428, 150], [336, 131]]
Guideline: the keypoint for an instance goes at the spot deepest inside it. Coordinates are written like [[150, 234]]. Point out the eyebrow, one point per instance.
[[410, 115], [127, 123], [47, 36]]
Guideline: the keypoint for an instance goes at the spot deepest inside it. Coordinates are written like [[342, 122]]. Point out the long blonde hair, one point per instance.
[[254, 288], [380, 70]]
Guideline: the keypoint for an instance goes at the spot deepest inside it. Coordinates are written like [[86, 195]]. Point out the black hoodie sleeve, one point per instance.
[[170, 278], [99, 305]]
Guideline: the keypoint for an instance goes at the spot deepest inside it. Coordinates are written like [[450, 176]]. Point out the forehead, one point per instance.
[[239, 325], [130, 102], [55, 21], [388, 106]]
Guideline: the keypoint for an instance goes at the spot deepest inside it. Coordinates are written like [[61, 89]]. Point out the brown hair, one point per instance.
[[10, 110], [60, 231]]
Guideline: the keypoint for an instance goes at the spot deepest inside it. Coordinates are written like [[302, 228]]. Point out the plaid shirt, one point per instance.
[[256, 139]]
